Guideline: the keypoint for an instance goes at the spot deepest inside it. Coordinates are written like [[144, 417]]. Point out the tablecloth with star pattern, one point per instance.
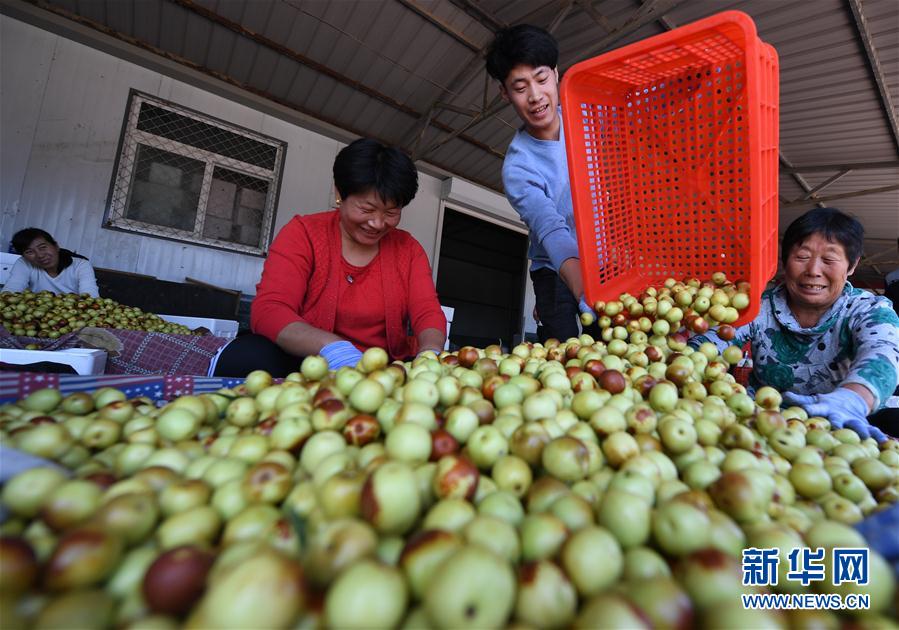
[[159, 388]]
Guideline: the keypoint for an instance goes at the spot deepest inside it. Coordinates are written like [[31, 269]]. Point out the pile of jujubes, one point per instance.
[[48, 315], [691, 305], [583, 484]]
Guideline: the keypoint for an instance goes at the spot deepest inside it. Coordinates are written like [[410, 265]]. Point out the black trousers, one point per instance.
[[557, 307], [254, 352]]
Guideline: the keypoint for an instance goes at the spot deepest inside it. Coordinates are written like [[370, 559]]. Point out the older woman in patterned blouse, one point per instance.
[[832, 348]]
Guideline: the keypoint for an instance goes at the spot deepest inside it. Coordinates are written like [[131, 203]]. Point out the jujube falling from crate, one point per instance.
[[672, 150]]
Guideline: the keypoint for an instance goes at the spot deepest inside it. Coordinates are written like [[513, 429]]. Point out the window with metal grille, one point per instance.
[[186, 176]]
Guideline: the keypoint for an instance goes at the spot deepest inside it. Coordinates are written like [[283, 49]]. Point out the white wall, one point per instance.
[[62, 105], [61, 110]]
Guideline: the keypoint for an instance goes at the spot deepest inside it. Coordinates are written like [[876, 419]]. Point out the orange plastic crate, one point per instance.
[[673, 155]]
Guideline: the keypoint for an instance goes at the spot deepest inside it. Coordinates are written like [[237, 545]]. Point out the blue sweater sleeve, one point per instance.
[[875, 335], [539, 213], [525, 178]]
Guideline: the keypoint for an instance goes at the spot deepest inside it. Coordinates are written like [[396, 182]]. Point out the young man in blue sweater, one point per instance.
[[524, 60]]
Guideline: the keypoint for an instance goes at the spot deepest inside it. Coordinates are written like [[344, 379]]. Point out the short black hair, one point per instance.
[[832, 224], [365, 165], [23, 238], [521, 44]]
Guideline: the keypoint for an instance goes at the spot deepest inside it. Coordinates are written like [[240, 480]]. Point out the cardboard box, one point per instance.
[[225, 328], [85, 361]]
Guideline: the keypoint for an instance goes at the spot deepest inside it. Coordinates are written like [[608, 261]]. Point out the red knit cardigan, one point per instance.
[[302, 275]]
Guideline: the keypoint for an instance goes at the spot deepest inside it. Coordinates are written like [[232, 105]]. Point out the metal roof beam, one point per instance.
[[495, 107], [826, 168], [874, 65], [421, 127], [667, 23], [474, 66], [481, 15], [300, 58], [596, 16], [883, 252], [873, 262], [323, 69], [220, 76], [649, 11], [799, 179], [465, 111], [560, 17], [224, 78], [857, 193], [460, 37], [827, 182], [530, 16]]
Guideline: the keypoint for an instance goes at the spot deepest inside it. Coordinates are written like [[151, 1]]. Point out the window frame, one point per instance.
[[114, 216]]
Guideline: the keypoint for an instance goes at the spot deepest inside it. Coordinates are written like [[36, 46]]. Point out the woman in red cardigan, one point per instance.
[[338, 282]]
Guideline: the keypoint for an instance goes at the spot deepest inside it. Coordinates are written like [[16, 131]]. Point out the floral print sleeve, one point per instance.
[[856, 341], [873, 353], [775, 350]]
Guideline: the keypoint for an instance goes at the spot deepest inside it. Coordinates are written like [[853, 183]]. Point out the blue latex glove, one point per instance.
[[339, 354], [13, 462], [842, 407], [583, 307]]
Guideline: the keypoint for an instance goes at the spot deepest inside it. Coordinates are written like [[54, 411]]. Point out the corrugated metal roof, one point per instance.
[[377, 67]]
